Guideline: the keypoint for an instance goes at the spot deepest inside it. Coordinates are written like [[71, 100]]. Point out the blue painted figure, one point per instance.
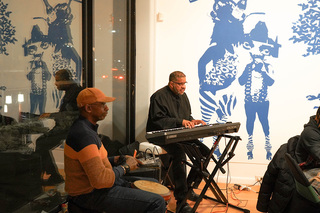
[[38, 74], [257, 77], [217, 67], [64, 55], [59, 35]]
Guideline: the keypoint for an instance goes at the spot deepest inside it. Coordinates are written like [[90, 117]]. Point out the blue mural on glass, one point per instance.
[[228, 17], [257, 77], [59, 19], [38, 73], [306, 30], [64, 56], [7, 30]]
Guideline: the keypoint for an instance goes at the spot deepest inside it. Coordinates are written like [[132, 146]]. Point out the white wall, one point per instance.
[[177, 42], [145, 59]]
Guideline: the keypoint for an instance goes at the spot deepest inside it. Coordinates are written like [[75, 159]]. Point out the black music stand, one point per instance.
[[200, 163]]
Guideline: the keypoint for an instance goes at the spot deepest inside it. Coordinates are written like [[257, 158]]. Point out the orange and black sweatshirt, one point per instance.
[[86, 162]]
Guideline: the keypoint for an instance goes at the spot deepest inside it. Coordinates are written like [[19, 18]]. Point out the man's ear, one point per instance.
[[88, 108], [170, 84]]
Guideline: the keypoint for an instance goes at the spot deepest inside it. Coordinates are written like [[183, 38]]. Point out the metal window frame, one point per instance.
[[87, 62]]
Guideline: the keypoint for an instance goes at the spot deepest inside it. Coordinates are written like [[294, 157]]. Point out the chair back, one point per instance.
[[303, 185]]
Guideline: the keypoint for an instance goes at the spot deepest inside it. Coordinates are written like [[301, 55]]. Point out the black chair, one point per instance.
[[74, 208], [304, 189]]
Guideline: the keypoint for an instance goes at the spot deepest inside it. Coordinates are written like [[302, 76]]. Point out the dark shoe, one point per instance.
[[193, 196], [185, 208], [53, 180]]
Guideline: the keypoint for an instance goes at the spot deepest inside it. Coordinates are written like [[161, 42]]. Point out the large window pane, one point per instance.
[[110, 37], [37, 38]]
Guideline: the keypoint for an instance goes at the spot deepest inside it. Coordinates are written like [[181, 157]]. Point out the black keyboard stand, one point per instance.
[[200, 163]]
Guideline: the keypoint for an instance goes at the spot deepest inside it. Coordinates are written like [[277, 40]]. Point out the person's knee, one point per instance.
[[179, 155], [158, 205]]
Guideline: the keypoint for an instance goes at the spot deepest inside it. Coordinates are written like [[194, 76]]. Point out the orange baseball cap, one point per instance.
[[92, 95]]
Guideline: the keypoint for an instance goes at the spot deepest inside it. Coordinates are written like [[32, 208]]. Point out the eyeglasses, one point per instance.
[[99, 103], [180, 84]]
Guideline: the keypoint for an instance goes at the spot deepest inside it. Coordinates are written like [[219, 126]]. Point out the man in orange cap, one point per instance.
[[95, 181]]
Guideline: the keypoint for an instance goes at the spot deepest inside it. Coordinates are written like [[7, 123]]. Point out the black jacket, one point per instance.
[[309, 142], [278, 184], [167, 110]]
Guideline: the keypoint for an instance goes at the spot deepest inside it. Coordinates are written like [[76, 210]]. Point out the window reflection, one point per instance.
[[35, 113], [44, 39]]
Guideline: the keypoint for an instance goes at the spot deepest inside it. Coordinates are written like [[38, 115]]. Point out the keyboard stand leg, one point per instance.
[[200, 163]]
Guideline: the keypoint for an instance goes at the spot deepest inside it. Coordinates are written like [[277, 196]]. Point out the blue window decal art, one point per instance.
[[63, 56], [38, 73], [7, 30]]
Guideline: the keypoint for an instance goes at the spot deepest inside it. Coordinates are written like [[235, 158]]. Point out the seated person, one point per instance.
[[277, 192], [68, 112], [170, 108], [95, 181], [308, 150], [308, 147], [272, 197]]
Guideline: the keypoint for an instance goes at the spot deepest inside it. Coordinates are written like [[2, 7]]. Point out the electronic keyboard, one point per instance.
[[168, 136]]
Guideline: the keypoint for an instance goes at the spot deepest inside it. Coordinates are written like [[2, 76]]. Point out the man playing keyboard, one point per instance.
[[170, 108]]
